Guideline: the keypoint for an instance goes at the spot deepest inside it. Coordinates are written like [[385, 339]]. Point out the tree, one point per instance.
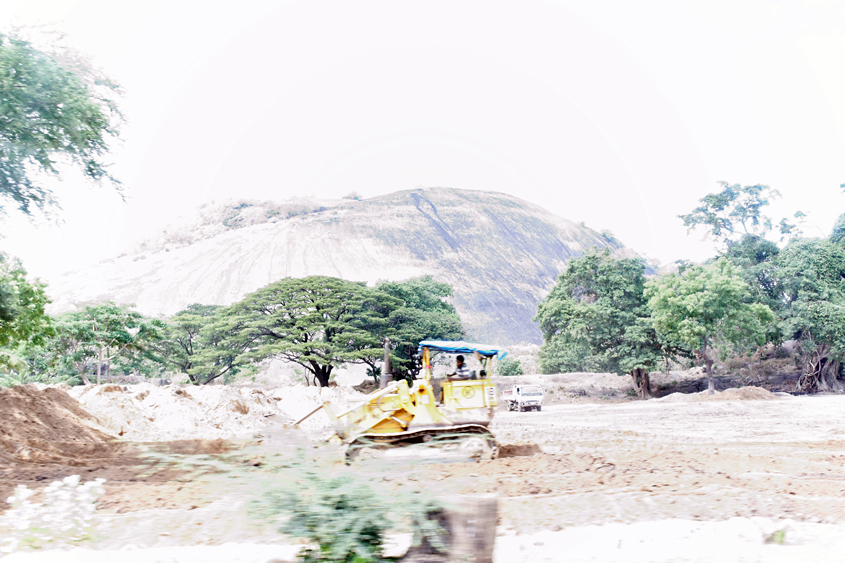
[[508, 367], [735, 206], [755, 257], [86, 342], [420, 312], [22, 316], [709, 308], [317, 322], [52, 105], [182, 341], [812, 275], [597, 314]]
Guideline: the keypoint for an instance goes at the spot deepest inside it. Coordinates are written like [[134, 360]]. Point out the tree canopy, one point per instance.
[[706, 308], [812, 275], [52, 106], [596, 316], [184, 345], [317, 322], [22, 316], [421, 313]]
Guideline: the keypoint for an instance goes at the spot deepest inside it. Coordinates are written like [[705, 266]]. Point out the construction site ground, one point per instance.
[[597, 475]]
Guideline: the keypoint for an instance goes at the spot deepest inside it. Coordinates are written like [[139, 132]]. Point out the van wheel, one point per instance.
[[539, 408]]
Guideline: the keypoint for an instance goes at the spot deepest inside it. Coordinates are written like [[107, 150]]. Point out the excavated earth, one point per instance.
[[611, 478]]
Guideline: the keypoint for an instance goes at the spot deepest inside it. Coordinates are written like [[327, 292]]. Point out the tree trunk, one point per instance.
[[642, 384], [108, 364], [708, 366], [821, 372], [321, 373], [99, 366]]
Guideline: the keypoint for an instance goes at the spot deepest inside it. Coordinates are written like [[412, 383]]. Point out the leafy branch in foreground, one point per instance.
[[52, 106]]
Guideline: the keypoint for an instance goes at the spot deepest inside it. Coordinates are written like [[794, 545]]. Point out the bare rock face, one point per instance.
[[501, 255]]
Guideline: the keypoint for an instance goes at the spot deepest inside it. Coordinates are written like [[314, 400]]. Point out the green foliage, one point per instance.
[[182, 339], [812, 274], [342, 509], [420, 312], [596, 318], [22, 317], [51, 105], [756, 259], [317, 322], [563, 354], [777, 537], [345, 517], [723, 213], [508, 367], [118, 332], [707, 307]]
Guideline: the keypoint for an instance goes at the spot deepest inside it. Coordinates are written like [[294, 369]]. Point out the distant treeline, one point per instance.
[[603, 315], [318, 322]]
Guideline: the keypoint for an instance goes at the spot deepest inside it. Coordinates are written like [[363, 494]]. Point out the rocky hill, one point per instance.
[[500, 254]]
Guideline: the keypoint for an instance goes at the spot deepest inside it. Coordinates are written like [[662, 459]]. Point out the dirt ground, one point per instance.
[[653, 478]]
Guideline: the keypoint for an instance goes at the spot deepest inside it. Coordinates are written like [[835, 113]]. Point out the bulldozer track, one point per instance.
[[435, 435]]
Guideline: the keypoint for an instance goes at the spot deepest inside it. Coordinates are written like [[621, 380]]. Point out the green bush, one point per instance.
[[510, 367], [343, 515], [344, 518]]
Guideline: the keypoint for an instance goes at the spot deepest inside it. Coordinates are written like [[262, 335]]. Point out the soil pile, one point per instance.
[[738, 394], [147, 413], [46, 425]]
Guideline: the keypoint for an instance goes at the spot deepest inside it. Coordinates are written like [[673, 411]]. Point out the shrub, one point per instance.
[[508, 366], [341, 513]]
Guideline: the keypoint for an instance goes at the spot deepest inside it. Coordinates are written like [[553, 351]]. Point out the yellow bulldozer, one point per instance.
[[450, 422]]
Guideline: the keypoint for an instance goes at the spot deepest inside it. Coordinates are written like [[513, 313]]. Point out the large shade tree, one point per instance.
[[812, 275], [709, 308], [597, 314], [318, 322], [53, 108], [183, 343]]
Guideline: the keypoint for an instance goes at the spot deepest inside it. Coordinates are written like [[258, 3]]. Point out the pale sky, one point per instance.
[[620, 114]]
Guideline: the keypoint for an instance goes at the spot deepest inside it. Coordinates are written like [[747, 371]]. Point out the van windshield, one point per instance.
[[531, 390]]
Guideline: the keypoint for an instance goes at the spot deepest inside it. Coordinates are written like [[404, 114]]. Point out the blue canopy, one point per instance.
[[461, 347]]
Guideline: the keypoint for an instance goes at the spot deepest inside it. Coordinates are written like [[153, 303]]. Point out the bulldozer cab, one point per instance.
[[463, 395]]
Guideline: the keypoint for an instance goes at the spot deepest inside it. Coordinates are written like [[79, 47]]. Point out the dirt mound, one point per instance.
[[518, 450], [738, 394], [46, 425], [148, 413]]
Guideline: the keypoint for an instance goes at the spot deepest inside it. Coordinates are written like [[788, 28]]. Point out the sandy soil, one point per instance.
[[682, 478]]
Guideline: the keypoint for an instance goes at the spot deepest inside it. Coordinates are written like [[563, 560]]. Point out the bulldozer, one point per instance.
[[449, 423]]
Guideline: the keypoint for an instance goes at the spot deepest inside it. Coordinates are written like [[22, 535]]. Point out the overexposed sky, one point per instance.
[[620, 114]]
